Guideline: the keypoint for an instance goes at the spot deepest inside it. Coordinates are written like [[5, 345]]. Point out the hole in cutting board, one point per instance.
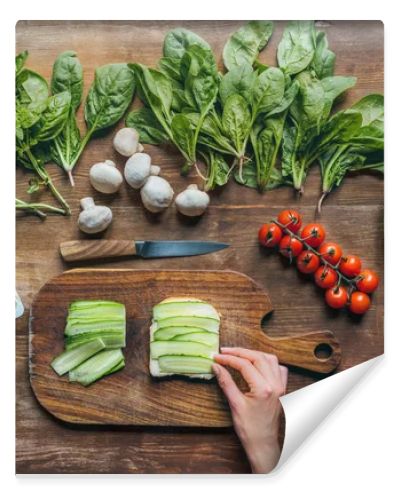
[[323, 351]]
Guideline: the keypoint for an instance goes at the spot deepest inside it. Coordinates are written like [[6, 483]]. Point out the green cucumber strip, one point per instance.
[[116, 368], [171, 348], [196, 309], [110, 340], [89, 304], [96, 309], [209, 324], [117, 327], [210, 339], [172, 331], [70, 359], [184, 364], [96, 367]]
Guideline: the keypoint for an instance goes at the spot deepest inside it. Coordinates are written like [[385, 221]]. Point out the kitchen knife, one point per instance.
[[72, 251]]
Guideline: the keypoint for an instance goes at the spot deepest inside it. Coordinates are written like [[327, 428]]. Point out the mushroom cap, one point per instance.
[[94, 219], [126, 141], [192, 202], [156, 194], [105, 177], [137, 169]]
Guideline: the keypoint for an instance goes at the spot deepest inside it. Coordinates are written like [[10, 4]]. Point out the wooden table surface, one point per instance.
[[353, 216]]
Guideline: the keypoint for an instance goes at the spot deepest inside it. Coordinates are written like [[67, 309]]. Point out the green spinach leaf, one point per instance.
[[245, 44], [178, 40], [146, 123], [239, 80], [109, 96], [324, 59], [297, 47]]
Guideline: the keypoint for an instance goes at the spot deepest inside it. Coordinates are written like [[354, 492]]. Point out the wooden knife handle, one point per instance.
[[72, 251], [303, 351]]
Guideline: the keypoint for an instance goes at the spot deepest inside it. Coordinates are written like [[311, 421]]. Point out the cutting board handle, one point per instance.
[[316, 351]]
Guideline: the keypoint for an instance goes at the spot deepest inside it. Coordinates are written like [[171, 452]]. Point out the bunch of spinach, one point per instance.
[[252, 114], [108, 98], [40, 118], [362, 149], [185, 83], [304, 53], [197, 110]]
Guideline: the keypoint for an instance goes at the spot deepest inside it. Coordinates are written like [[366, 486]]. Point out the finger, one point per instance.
[[273, 365], [251, 375], [258, 358], [227, 384], [284, 376]]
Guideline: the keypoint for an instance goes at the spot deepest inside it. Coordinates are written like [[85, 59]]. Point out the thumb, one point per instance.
[[227, 384]]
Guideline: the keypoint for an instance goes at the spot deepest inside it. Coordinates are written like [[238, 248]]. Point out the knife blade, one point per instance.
[[77, 250]]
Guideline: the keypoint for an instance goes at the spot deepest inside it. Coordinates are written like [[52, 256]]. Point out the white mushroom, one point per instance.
[[140, 148], [105, 177], [137, 170], [156, 194], [126, 141], [93, 218], [192, 201]]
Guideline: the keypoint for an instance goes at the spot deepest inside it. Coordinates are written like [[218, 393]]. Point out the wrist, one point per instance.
[[263, 457]]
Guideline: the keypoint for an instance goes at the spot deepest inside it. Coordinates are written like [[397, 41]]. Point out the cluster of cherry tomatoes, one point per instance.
[[345, 282]]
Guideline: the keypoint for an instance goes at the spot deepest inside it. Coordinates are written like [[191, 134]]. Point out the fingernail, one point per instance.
[[215, 368], [225, 348]]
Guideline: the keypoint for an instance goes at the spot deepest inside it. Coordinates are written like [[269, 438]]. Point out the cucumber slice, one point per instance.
[[209, 324], [110, 340], [185, 364], [172, 331], [116, 368], [76, 328], [168, 348], [70, 359], [207, 338], [191, 309], [96, 367], [96, 309]]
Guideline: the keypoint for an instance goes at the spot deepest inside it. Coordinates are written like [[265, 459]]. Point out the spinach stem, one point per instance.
[[44, 175], [37, 208]]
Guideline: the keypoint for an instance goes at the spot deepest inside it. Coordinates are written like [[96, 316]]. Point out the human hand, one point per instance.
[[256, 413]]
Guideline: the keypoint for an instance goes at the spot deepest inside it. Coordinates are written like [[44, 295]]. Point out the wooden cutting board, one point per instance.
[[131, 396]]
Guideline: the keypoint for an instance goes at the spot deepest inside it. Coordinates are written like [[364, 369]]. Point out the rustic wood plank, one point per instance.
[[353, 216]]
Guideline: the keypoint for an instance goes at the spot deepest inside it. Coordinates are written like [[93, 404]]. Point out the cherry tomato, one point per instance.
[[336, 297], [307, 262], [313, 234], [331, 252], [325, 277], [359, 302], [290, 247], [367, 281], [269, 235], [350, 266], [291, 219]]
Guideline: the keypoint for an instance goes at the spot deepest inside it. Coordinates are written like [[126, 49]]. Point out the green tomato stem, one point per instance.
[[341, 277]]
